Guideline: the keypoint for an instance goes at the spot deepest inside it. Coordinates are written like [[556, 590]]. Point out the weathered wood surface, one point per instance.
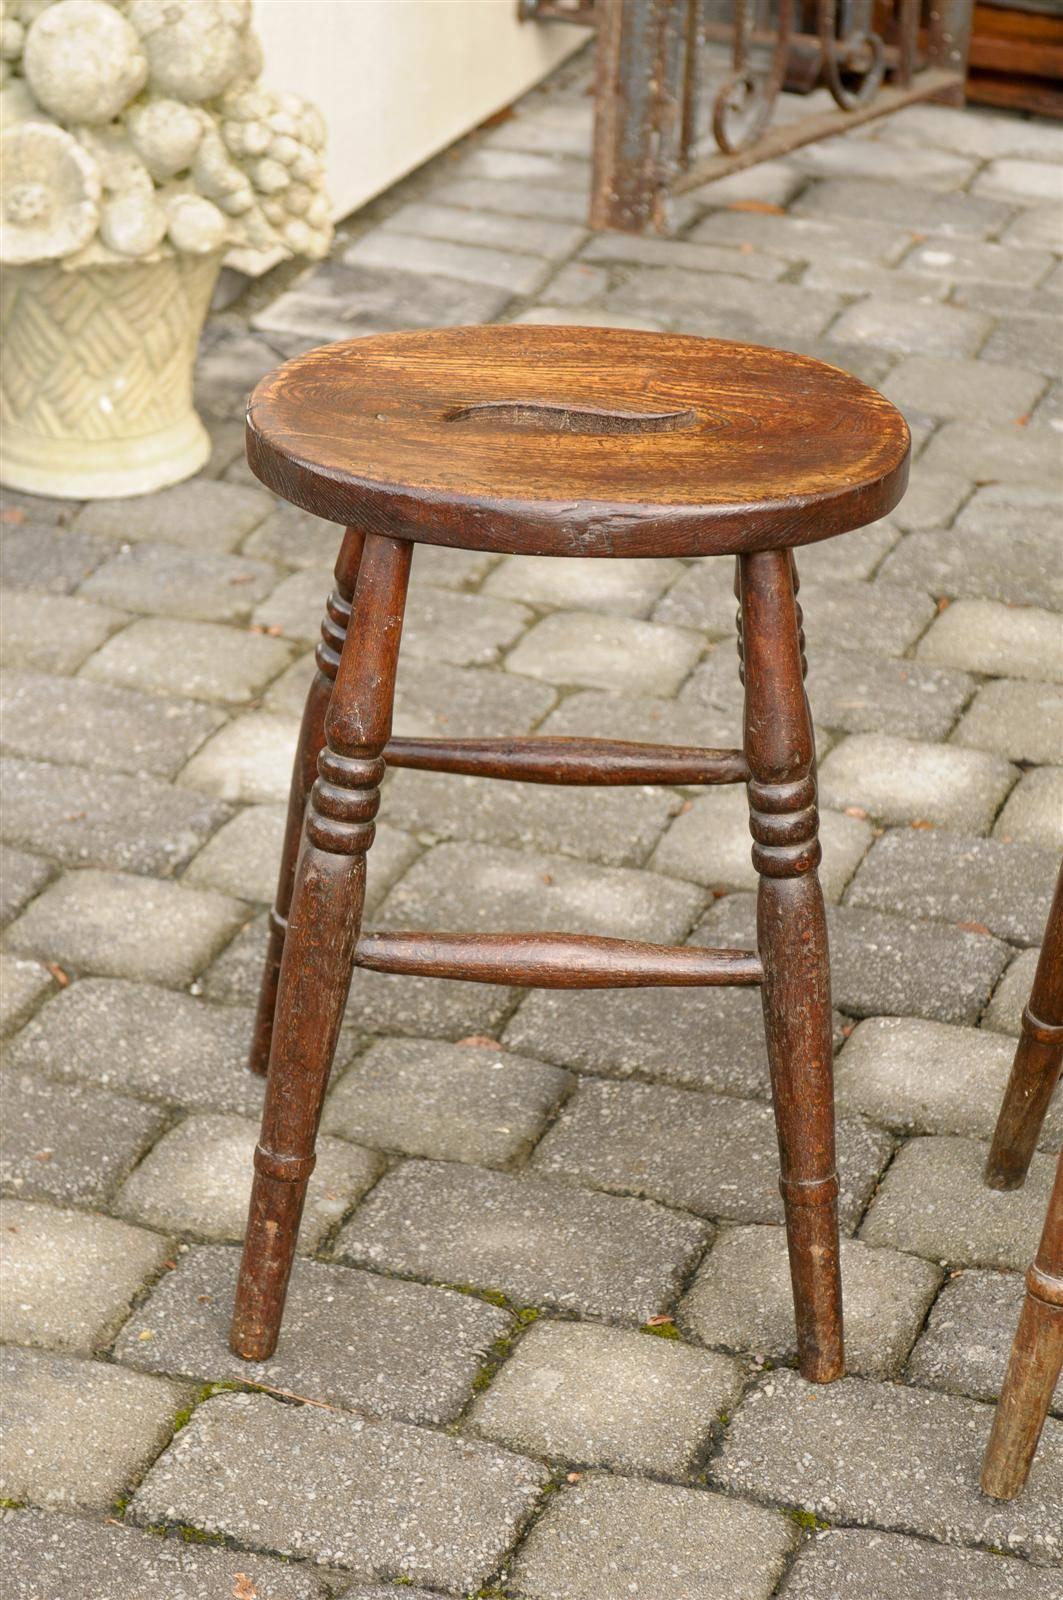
[[575, 761], [555, 960]]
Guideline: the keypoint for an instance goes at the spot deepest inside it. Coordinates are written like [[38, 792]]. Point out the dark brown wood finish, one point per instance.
[[323, 928], [1036, 1067], [310, 745], [576, 761], [555, 960], [792, 939], [547, 441]]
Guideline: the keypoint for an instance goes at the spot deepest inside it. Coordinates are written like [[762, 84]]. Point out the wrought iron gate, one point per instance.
[[655, 101]]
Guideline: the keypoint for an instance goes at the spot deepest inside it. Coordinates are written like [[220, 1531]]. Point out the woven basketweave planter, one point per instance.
[[96, 381]]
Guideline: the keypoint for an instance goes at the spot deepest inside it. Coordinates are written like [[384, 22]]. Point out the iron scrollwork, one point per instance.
[[744, 105]]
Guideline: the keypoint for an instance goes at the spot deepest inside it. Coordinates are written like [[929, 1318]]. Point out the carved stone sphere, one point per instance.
[[193, 53], [83, 61]]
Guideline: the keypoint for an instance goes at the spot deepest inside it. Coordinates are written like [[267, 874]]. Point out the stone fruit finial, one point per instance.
[[137, 128]]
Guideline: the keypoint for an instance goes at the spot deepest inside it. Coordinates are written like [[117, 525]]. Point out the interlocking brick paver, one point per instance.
[[200, 660], [711, 1154], [626, 588], [289, 537], [970, 389], [1021, 720], [917, 1076], [917, 210], [511, 198], [833, 1451], [1025, 455], [21, 877], [197, 1180], [424, 1097], [166, 580], [79, 1433], [983, 136], [1017, 180], [647, 719], [22, 985], [297, 605], [912, 327], [529, 236], [1011, 994], [69, 1142], [926, 168], [1025, 341], [144, 1041], [104, 819], [537, 1241], [1033, 811], [463, 629], [84, 1560], [883, 620], [1037, 228], [657, 1539], [965, 560], [933, 1202], [725, 305], [126, 927], [69, 1276], [76, 723], [968, 261], [1002, 640], [602, 652], [340, 302], [353, 1339], [888, 1566], [742, 1298], [967, 1340], [947, 877], [579, 1393], [860, 694], [52, 632], [383, 1500], [472, 263], [199, 514], [800, 238], [904, 780], [248, 759], [45, 559]]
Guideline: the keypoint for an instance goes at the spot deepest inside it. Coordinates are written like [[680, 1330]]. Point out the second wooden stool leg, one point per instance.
[[304, 770], [323, 929], [792, 938], [1037, 1062]]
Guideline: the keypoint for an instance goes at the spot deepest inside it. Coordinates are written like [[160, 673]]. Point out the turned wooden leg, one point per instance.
[[792, 939], [1037, 1062], [311, 743], [323, 927], [1035, 1363]]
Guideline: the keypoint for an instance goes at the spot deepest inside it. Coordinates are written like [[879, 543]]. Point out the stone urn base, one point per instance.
[[96, 380]]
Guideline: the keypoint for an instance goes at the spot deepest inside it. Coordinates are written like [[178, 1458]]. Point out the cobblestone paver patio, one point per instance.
[[519, 1195]]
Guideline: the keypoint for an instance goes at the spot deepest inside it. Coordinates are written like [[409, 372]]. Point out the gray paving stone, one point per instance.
[[144, 1041], [1036, 228], [471, 263], [933, 1202], [725, 305], [197, 1179], [1003, 888], [710, 1154], [770, 182], [229, 364], [383, 1500], [905, 780], [1025, 341], [249, 759], [549, 170], [883, 620], [53, 633], [342, 302], [965, 560], [709, 842], [860, 694], [1021, 720], [423, 1097], [79, 1433], [243, 857], [511, 198], [800, 238], [1017, 180], [84, 1560], [655, 252], [296, 606], [924, 167], [529, 236], [165, 580], [1023, 455], [538, 1242], [1033, 811], [585, 648], [199, 514], [912, 327], [547, 125], [487, 888], [21, 877], [443, 567], [917, 210], [968, 389], [555, 316], [618, 827], [833, 1451], [462, 629], [852, 276], [583, 1394], [435, 699], [656, 1540], [289, 537], [979, 133], [1005, 1009], [69, 1276], [931, 499], [200, 660], [968, 261], [916, 1076], [98, 922], [967, 1340], [625, 588], [887, 1566], [742, 1299], [22, 985], [985, 636], [353, 1339], [647, 719], [102, 819], [69, 1142], [80, 724], [42, 558]]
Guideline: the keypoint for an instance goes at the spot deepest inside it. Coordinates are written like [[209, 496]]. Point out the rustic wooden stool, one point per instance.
[[557, 442], [1037, 1353]]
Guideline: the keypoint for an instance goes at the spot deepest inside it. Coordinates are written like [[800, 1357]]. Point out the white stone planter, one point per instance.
[[96, 381]]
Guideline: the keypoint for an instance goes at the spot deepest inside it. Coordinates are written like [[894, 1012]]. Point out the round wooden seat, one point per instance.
[[577, 442]]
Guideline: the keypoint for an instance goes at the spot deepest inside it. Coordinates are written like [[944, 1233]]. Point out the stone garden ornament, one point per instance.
[[138, 146]]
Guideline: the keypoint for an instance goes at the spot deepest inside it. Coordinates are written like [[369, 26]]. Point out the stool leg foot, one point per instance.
[[304, 770], [1036, 1067], [323, 929], [1035, 1363], [792, 940]]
